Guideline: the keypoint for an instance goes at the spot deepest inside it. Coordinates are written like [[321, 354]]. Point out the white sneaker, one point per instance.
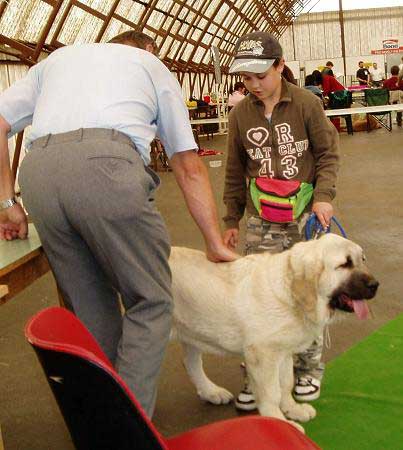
[[306, 389], [245, 400]]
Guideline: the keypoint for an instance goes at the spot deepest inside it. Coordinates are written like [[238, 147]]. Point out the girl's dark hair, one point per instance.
[[288, 75], [309, 80], [394, 70], [317, 77]]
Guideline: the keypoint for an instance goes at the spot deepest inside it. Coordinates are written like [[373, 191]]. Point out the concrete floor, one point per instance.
[[369, 205]]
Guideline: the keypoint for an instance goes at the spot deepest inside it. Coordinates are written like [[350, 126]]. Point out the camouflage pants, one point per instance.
[[264, 236]]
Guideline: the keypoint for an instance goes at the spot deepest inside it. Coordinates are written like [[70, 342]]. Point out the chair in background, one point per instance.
[[102, 414], [342, 100], [378, 97]]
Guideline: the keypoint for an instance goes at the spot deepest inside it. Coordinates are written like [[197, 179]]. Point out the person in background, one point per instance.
[[362, 74], [399, 76], [279, 131], [86, 184], [329, 67], [395, 88], [393, 83], [311, 86], [401, 65], [237, 94], [327, 83], [376, 75]]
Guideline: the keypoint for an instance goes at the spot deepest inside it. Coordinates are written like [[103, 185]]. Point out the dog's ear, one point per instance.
[[306, 266]]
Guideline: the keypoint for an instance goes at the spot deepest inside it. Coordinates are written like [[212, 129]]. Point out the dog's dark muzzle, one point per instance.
[[361, 286]]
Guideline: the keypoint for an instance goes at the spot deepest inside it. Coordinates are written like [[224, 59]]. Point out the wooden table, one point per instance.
[[21, 263]]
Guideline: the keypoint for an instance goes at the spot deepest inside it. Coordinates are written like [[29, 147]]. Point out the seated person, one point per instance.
[[328, 83], [391, 83], [237, 94], [311, 86]]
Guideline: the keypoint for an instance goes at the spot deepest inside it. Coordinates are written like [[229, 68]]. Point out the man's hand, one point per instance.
[[231, 238], [192, 178], [220, 253], [13, 223], [324, 212]]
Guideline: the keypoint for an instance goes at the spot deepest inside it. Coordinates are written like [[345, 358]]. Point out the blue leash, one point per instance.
[[313, 227]]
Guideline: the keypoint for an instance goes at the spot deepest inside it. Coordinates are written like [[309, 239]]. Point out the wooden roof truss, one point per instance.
[[184, 30]]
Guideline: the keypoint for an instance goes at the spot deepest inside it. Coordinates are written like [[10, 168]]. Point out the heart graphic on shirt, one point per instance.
[[257, 135]]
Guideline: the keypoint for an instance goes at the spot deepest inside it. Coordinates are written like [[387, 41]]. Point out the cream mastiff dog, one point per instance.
[[266, 308]]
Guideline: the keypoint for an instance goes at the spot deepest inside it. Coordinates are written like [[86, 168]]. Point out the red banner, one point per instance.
[[387, 51]]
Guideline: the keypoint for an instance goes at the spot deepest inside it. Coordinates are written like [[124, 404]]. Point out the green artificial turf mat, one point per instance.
[[361, 403]]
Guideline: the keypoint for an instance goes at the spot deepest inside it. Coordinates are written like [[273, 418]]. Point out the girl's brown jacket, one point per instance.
[[299, 142]]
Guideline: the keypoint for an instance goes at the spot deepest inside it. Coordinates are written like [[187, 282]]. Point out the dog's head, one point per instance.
[[335, 271]]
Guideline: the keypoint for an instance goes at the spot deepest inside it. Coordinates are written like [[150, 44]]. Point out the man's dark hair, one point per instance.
[[135, 39], [360, 62], [329, 63], [394, 70]]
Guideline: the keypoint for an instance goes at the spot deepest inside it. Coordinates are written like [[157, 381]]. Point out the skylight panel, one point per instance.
[[156, 20], [114, 28], [130, 10], [79, 27]]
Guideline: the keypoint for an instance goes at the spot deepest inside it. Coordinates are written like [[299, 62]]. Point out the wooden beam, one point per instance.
[[3, 292], [343, 43], [107, 21], [17, 153], [46, 29], [3, 6], [26, 51], [54, 42]]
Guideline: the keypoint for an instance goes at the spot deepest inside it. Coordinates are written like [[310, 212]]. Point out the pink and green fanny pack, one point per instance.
[[280, 201]]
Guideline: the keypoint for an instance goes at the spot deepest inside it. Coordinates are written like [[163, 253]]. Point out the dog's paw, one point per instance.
[[297, 426], [216, 395], [301, 412]]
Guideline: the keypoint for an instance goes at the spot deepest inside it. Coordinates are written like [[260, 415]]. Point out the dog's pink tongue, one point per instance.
[[361, 309]]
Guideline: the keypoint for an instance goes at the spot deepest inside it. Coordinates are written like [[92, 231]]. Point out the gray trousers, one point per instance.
[[91, 200]]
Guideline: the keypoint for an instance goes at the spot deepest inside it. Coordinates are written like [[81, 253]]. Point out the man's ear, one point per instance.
[[149, 48]]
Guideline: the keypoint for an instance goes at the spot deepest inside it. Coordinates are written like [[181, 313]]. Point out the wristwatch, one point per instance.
[[4, 204]]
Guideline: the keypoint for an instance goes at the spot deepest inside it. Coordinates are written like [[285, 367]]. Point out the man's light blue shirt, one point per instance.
[[101, 86]]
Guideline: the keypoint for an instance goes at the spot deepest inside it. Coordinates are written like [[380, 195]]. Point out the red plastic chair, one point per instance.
[[102, 414]]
